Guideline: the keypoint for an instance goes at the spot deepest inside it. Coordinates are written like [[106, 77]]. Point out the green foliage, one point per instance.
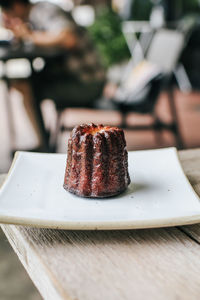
[[108, 37]]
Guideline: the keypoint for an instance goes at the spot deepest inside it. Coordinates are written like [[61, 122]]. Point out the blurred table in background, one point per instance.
[[157, 264], [37, 57], [29, 52]]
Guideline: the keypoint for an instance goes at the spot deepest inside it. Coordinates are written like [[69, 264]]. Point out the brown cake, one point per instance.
[[97, 163]]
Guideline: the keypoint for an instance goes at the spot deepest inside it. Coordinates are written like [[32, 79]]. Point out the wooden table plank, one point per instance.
[[137, 264], [146, 264], [191, 163]]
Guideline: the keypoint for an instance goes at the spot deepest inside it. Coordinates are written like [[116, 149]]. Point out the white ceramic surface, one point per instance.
[[159, 195]]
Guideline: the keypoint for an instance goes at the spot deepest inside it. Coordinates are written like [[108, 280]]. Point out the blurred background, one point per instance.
[[128, 63]]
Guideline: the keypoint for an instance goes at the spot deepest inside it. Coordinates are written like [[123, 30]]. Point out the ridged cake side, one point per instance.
[[97, 164]]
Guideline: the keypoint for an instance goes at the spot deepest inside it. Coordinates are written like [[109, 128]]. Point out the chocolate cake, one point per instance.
[[97, 164]]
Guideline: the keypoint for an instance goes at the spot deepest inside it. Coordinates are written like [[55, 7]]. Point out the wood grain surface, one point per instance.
[[131, 264], [190, 161]]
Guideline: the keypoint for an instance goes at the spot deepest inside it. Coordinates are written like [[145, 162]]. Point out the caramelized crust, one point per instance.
[[97, 161]]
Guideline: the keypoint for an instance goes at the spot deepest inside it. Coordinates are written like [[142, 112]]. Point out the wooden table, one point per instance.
[[109, 265]]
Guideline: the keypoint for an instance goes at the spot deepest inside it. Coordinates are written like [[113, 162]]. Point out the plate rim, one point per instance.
[[105, 225], [100, 225]]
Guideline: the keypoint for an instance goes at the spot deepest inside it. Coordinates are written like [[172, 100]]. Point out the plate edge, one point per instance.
[[141, 224]]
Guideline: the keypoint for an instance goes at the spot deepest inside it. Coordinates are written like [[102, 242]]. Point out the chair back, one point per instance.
[[165, 49], [163, 54]]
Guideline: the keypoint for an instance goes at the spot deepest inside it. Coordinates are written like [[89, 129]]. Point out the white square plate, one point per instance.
[[159, 195]]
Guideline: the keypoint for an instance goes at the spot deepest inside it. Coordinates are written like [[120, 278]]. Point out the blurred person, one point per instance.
[[76, 79]]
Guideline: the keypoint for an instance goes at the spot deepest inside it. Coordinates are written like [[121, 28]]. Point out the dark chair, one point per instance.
[[164, 51]]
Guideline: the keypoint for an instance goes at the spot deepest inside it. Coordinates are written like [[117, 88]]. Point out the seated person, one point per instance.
[[78, 78]]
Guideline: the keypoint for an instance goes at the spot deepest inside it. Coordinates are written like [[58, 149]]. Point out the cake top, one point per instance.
[[93, 129]]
